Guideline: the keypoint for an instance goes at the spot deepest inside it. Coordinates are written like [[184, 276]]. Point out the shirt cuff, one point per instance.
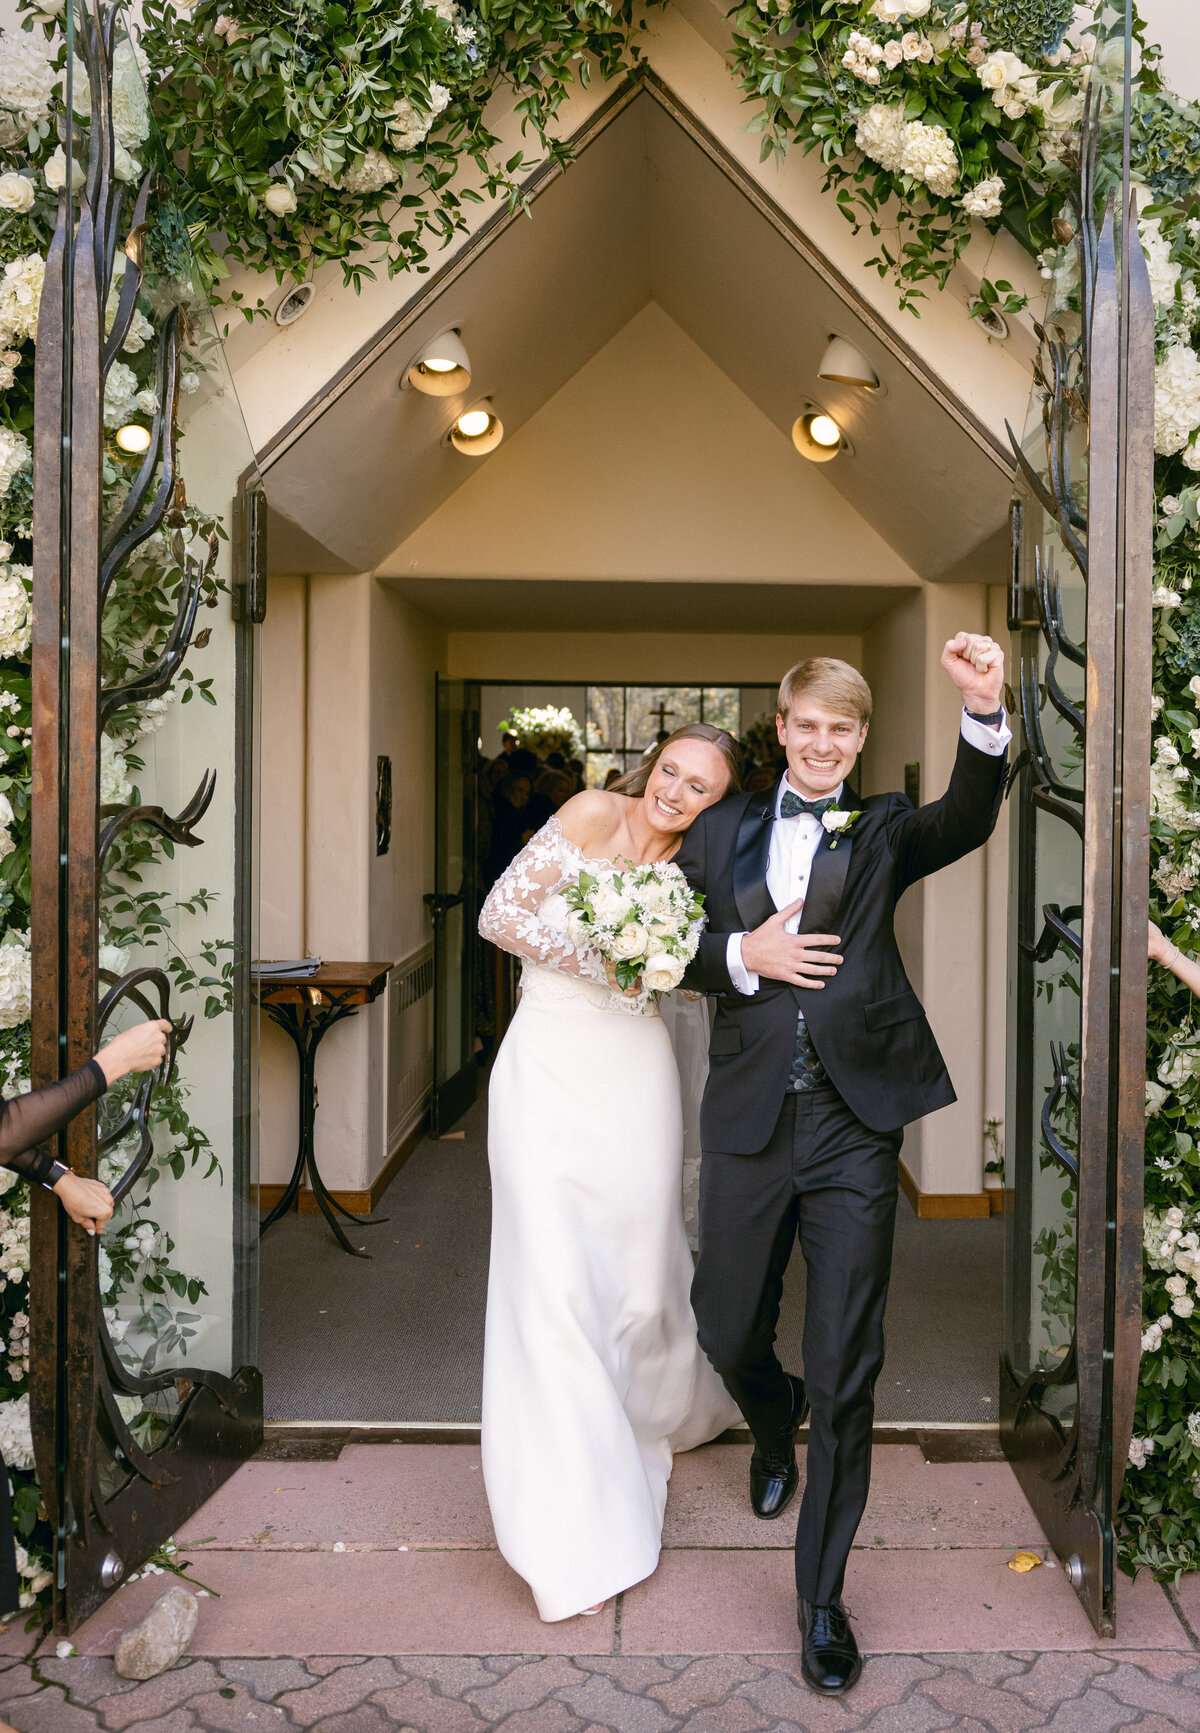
[[983, 736], [744, 979]]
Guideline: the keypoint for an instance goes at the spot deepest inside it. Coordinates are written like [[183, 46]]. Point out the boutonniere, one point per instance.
[[837, 823]]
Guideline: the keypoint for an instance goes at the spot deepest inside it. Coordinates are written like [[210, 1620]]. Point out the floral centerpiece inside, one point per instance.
[[645, 921]]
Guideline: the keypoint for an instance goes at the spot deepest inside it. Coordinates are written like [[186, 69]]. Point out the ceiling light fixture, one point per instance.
[[441, 369], [817, 435], [843, 364], [133, 438], [477, 431]]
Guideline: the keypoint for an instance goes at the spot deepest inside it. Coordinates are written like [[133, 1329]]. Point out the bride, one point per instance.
[[592, 1375]]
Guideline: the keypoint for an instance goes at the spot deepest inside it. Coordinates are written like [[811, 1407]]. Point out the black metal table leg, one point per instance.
[[305, 1025]]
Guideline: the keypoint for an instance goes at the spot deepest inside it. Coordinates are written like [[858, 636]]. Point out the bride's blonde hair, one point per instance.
[[634, 781]]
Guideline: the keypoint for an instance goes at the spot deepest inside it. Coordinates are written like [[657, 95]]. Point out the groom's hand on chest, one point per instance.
[[799, 959]]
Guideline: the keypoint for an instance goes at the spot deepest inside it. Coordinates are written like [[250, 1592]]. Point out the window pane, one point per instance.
[[600, 763], [651, 708], [605, 718], [723, 707]]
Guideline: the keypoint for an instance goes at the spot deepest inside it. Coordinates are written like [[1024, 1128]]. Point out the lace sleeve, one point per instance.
[[512, 916]]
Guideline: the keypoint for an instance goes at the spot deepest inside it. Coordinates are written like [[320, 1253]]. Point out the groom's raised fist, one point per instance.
[[975, 663], [797, 958]]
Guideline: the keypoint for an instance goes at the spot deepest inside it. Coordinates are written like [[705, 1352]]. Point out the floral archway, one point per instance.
[[305, 133]]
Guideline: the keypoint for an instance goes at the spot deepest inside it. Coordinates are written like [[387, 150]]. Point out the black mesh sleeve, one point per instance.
[[29, 1120]]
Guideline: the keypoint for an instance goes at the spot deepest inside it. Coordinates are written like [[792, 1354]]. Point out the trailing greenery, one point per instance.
[[306, 132]]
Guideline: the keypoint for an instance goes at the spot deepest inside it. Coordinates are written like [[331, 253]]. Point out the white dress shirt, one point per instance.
[[794, 844]]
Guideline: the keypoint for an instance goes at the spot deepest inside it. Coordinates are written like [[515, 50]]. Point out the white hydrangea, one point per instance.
[[140, 333], [21, 298], [929, 156], [16, 1436], [16, 614], [120, 394], [15, 982], [409, 125], [880, 135], [1164, 270], [375, 172], [1193, 1430], [115, 786], [1176, 399], [7, 841], [130, 106], [28, 80], [985, 198], [15, 453]]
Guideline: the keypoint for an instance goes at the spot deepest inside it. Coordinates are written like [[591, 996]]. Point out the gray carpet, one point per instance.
[[401, 1338]]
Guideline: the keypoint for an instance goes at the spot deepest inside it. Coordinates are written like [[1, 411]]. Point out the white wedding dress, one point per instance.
[[592, 1375]]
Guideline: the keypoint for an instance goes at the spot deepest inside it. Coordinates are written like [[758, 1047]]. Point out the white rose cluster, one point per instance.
[[1060, 109], [28, 80], [985, 199], [1012, 85], [925, 152], [862, 57], [1176, 399], [16, 612], [1139, 1450], [35, 1578], [15, 982], [18, 1346], [115, 786], [409, 125], [1152, 1335]]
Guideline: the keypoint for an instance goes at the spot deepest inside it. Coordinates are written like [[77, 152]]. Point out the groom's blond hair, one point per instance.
[[833, 684]]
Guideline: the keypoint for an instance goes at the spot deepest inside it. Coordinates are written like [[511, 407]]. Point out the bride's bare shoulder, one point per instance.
[[592, 818]]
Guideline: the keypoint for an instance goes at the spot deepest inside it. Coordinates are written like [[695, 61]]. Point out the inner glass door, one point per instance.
[[453, 903]]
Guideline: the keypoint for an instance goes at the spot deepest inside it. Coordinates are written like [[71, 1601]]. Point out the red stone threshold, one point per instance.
[[698, 1602]]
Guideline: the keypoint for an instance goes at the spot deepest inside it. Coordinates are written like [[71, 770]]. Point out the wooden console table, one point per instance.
[[304, 1007]]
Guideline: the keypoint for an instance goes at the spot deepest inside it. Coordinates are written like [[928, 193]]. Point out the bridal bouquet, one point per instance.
[[645, 920]]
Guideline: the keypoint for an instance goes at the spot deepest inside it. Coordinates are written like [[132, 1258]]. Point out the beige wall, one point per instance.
[[649, 462], [646, 658]]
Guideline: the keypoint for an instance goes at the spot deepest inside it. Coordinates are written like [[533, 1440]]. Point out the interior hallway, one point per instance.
[[400, 1338]]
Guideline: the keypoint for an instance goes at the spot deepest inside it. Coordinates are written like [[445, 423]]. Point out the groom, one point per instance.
[[820, 1055]]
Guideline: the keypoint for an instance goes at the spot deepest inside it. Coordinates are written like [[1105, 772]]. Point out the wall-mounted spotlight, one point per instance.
[[817, 436], [842, 364], [477, 431], [133, 438], [441, 369]]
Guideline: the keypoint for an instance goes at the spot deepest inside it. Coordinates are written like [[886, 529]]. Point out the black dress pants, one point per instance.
[[825, 1178]]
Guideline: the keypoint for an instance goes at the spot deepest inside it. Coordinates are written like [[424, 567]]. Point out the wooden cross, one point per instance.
[[662, 713]]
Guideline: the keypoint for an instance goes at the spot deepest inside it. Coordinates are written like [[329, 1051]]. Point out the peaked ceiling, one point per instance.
[[642, 215]]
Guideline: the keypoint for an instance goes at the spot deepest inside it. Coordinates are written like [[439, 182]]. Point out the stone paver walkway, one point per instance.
[[1069, 1692]]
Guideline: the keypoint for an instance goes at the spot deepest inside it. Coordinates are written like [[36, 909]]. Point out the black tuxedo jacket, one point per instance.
[[867, 1024]]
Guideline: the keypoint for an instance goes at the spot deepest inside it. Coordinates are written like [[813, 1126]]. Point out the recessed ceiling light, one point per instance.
[[442, 368], [477, 432], [817, 436], [133, 438], [843, 364]]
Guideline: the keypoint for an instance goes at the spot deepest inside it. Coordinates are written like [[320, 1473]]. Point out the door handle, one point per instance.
[[439, 904]]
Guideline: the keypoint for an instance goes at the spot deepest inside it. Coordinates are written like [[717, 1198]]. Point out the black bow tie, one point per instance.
[[792, 805]]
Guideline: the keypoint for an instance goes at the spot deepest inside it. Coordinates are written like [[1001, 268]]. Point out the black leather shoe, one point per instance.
[[829, 1657], [774, 1476]]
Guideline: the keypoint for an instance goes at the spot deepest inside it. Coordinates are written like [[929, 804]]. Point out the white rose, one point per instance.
[[893, 54], [910, 45], [1165, 750], [984, 199], [279, 199], [662, 972], [610, 906], [139, 333], [1184, 1306], [147, 401], [579, 931], [835, 819], [16, 192], [1002, 69], [630, 942], [1156, 1095], [55, 171], [1162, 597]]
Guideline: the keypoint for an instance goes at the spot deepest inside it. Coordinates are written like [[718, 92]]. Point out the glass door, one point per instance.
[[453, 903], [1080, 616], [145, 1394]]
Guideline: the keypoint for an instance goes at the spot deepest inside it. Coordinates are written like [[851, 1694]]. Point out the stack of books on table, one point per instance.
[[271, 969]]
